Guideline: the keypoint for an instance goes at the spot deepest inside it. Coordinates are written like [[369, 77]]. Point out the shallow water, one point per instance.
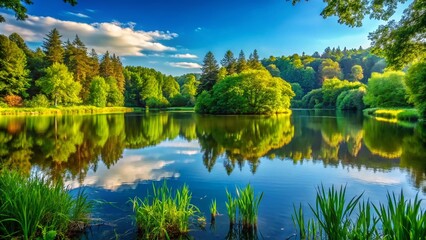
[[116, 157]]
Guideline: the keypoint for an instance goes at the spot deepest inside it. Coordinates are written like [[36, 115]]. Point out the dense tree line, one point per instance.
[[67, 73]]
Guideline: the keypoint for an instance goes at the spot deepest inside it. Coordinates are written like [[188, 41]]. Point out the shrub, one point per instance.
[[13, 100], [312, 98], [351, 99], [157, 103], [39, 100], [386, 90]]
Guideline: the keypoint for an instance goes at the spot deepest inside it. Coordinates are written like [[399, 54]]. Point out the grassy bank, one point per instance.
[[393, 114], [63, 110], [36, 208]]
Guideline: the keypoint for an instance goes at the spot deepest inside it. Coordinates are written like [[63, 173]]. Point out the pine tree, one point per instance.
[[254, 62], [52, 46], [94, 64], [106, 68], [118, 72], [209, 75], [79, 64], [241, 62], [229, 62]]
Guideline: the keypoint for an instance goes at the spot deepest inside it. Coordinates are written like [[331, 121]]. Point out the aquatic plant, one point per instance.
[[402, 219], [37, 207], [164, 214], [213, 209], [334, 218], [248, 205], [231, 208]]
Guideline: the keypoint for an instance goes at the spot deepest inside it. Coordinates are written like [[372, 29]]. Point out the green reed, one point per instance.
[[213, 209], [402, 219], [248, 205], [164, 215], [231, 208], [35, 206], [334, 218]]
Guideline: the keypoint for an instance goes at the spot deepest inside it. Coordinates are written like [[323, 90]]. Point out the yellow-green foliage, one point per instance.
[[393, 114], [386, 90], [62, 110], [251, 92], [332, 88]]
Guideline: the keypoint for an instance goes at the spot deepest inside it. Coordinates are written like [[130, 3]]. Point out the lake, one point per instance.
[[116, 157]]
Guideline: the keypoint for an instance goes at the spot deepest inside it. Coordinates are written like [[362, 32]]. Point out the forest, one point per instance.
[[66, 73]]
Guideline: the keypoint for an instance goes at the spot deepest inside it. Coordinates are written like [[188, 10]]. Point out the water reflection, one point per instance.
[[103, 150]]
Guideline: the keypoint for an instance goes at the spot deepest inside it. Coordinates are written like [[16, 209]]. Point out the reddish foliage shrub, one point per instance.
[[13, 100]]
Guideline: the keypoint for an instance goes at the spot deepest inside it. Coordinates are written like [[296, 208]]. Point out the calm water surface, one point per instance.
[[117, 157]]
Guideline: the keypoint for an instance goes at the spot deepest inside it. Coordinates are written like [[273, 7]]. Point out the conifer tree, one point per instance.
[[229, 62], [209, 75], [241, 62], [52, 47]]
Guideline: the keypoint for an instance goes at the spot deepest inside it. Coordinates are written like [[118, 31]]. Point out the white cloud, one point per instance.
[[198, 29], [80, 15], [185, 56], [90, 10], [188, 65], [121, 39]]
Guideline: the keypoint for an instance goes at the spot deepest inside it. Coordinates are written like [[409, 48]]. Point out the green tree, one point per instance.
[[386, 90], [13, 75], [98, 92], [241, 62], [253, 62], [106, 67], [210, 71], [114, 97], [52, 47], [16, 38], [229, 62], [118, 72], [251, 92], [58, 84], [416, 86], [357, 73], [330, 69], [20, 9], [78, 63]]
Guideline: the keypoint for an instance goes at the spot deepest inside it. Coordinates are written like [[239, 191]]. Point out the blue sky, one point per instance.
[[174, 36]]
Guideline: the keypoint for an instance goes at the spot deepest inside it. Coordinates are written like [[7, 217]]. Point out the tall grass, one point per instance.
[[335, 218], [32, 207], [231, 208], [402, 219], [248, 205], [164, 214]]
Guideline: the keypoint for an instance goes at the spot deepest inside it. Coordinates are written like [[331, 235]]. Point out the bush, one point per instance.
[[416, 85], [312, 98], [157, 103], [39, 100], [204, 100], [386, 90], [180, 101], [351, 100], [13, 100]]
